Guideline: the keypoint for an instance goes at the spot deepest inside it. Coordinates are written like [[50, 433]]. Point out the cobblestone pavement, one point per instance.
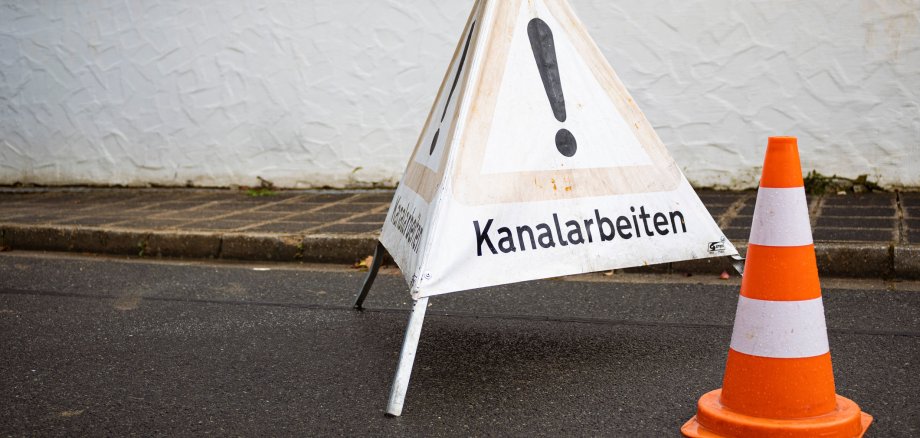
[[865, 234]]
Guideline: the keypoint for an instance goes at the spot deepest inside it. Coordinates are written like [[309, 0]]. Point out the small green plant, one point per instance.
[[299, 254], [266, 188], [260, 192], [818, 184]]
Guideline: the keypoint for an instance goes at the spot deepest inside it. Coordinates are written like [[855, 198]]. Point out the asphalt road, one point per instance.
[[105, 346]]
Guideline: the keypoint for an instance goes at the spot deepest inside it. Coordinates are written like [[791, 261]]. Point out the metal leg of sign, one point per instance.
[[371, 275], [406, 358], [738, 263]]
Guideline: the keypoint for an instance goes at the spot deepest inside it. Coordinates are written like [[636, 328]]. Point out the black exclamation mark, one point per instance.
[[466, 47], [544, 52]]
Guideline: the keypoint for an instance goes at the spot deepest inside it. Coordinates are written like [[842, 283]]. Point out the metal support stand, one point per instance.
[[738, 263], [371, 275], [410, 342], [407, 358]]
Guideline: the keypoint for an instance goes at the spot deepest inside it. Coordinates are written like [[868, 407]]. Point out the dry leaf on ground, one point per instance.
[[365, 263]]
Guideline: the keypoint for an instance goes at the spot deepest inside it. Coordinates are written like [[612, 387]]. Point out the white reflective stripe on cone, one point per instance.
[[780, 329], [781, 218]]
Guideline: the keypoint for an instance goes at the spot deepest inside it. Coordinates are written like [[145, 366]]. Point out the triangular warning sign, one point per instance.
[[535, 162]]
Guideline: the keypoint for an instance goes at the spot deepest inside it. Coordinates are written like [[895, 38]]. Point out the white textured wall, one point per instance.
[[333, 92]]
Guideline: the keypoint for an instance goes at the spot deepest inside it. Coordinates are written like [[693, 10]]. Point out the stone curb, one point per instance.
[[855, 260], [834, 259], [190, 245], [907, 261]]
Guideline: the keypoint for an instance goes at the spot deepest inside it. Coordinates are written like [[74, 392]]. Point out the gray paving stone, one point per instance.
[[352, 207], [303, 207], [46, 218], [218, 208], [870, 211], [910, 198], [720, 198], [254, 216], [317, 217], [331, 197], [717, 210], [189, 215], [93, 221], [213, 225], [284, 227], [738, 234], [373, 218], [869, 199], [179, 205], [857, 222], [382, 197], [854, 235], [747, 210], [349, 229], [742, 221], [10, 215], [913, 236], [152, 224]]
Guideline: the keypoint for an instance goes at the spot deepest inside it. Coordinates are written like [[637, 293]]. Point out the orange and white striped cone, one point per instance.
[[778, 377]]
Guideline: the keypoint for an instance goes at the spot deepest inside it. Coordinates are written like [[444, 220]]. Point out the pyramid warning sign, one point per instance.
[[535, 162]]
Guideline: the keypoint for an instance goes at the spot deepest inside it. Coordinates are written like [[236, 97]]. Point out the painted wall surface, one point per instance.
[[334, 92]]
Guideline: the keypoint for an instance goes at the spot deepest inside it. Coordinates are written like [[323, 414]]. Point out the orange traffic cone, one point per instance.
[[778, 377]]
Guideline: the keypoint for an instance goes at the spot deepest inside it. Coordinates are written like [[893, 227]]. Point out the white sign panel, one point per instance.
[[535, 162]]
